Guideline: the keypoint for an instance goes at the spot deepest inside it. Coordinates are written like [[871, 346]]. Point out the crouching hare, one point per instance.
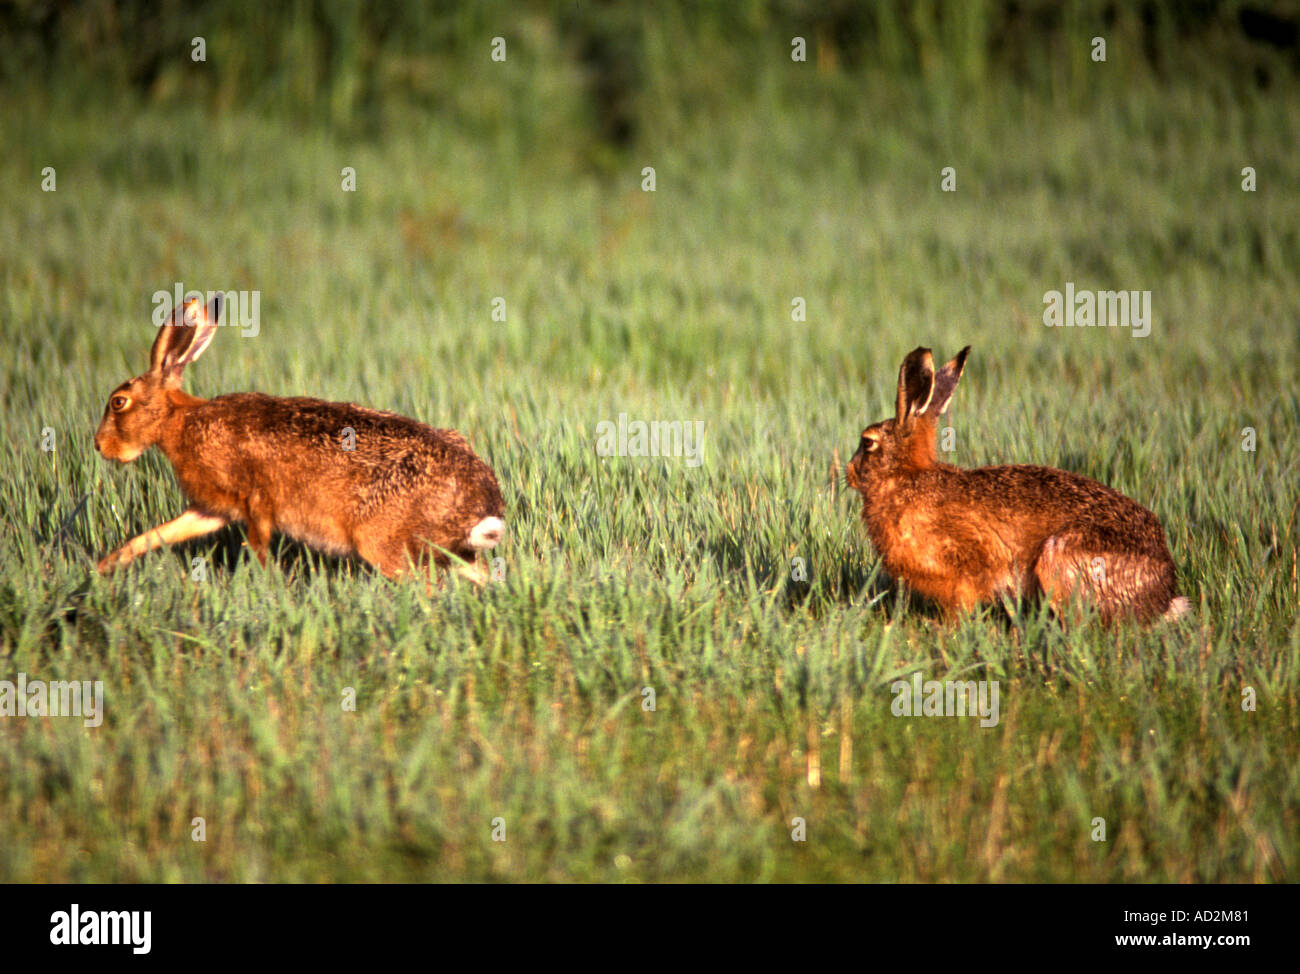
[[342, 478], [962, 537]]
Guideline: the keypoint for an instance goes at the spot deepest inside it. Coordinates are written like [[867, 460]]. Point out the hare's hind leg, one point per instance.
[[1087, 563], [462, 561], [473, 569], [387, 552], [395, 553], [191, 524]]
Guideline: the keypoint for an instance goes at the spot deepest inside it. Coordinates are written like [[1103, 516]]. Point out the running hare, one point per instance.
[[962, 537], [337, 476]]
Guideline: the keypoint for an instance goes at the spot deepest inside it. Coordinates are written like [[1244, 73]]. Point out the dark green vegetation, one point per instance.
[[775, 180]]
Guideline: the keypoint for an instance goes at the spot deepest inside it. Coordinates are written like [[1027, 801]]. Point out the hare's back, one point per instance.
[[314, 442], [301, 422], [1041, 501]]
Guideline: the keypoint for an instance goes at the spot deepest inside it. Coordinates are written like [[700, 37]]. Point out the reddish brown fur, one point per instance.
[[279, 464], [962, 537]]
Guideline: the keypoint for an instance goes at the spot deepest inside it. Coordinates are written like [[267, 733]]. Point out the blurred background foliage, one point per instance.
[[619, 70]]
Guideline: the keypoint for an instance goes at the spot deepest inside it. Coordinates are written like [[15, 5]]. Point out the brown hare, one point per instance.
[[962, 537], [337, 476]]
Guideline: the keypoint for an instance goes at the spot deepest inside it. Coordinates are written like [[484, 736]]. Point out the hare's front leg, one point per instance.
[[260, 523], [192, 524]]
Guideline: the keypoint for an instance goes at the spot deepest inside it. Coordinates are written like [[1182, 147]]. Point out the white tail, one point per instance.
[[487, 533], [1178, 608]]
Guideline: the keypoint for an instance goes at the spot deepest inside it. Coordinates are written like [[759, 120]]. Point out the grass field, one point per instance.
[[525, 703]]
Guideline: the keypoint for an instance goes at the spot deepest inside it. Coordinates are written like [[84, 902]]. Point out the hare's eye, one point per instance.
[[870, 443], [119, 403]]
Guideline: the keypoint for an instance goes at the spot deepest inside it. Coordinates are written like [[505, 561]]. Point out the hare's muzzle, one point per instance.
[[102, 443], [851, 470], [111, 447]]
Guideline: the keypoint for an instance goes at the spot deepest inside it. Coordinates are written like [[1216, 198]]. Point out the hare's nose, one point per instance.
[[98, 448]]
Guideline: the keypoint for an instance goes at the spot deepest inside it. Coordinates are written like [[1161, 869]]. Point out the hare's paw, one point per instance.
[[111, 562]]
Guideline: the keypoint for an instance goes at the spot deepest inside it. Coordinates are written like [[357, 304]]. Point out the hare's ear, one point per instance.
[[945, 384], [187, 333], [915, 384]]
